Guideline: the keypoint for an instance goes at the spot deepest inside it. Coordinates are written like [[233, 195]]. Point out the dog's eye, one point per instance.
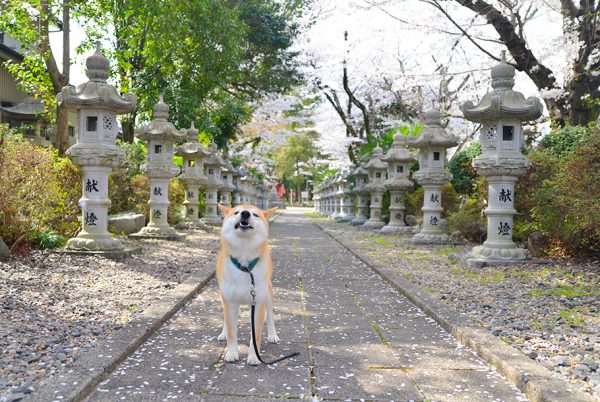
[[237, 212], [255, 215]]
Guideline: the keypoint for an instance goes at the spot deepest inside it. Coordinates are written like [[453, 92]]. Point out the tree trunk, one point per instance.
[[128, 126], [61, 142]]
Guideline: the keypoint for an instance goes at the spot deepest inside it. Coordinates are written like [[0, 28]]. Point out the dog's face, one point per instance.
[[245, 225]]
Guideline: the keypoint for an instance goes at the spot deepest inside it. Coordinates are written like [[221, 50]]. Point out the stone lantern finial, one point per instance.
[[503, 74], [161, 109], [433, 118], [192, 133], [97, 65]]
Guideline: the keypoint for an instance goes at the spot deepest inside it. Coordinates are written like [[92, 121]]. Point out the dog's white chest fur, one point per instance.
[[235, 285]]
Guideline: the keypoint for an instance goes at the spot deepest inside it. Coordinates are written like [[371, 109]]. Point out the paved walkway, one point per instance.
[[358, 338]]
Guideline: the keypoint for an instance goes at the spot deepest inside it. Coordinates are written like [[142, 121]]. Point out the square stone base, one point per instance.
[[170, 236], [117, 254], [468, 260]]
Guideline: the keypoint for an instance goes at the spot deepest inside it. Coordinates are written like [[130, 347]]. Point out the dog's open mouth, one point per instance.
[[243, 226]]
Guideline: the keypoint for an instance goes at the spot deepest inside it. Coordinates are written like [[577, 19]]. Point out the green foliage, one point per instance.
[[413, 201], [386, 139], [461, 167], [469, 221], [562, 141], [565, 177], [176, 212], [48, 238], [135, 157], [38, 192]]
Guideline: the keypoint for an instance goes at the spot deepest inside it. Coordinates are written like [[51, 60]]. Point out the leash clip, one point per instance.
[[253, 294]]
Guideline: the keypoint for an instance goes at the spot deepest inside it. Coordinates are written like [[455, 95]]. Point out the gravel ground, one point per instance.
[[550, 312], [53, 307]]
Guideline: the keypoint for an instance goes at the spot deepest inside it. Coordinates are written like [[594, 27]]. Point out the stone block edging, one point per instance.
[[536, 381], [82, 377]]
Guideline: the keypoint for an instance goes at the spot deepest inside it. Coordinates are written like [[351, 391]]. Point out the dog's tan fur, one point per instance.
[[234, 284]]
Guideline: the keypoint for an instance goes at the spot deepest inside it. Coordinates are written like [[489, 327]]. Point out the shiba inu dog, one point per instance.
[[244, 246]]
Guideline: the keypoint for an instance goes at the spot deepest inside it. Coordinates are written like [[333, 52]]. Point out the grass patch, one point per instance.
[[445, 251], [132, 308], [484, 278], [506, 340], [573, 316], [565, 291], [382, 241]]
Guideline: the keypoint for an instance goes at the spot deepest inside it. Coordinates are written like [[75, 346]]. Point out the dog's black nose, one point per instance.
[[245, 216]]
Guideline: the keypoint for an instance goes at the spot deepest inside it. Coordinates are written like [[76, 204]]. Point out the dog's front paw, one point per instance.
[[232, 356], [253, 360], [273, 338], [222, 336]]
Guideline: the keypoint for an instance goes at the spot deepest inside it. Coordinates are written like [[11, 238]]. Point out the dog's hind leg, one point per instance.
[[259, 322], [231, 312], [271, 331]]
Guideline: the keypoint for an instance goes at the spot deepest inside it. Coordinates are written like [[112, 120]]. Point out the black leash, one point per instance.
[[252, 311]]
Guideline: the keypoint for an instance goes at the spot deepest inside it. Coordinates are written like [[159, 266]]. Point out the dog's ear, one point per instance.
[[225, 209], [268, 212]]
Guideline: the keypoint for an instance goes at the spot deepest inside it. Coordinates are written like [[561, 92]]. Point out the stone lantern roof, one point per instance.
[[228, 167], [375, 162], [503, 102], [433, 135], [214, 159], [191, 149], [96, 93], [398, 152], [160, 128]]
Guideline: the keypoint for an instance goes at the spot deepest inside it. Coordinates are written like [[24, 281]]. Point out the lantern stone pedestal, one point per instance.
[[433, 142], [160, 136], [377, 169], [501, 114], [399, 159], [97, 104]]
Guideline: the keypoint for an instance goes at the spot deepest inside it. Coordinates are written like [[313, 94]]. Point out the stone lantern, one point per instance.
[[433, 142], [228, 186], [349, 197], [377, 170], [362, 195], [399, 160], [97, 104], [340, 196], [192, 177], [160, 136], [501, 114], [236, 199], [212, 166]]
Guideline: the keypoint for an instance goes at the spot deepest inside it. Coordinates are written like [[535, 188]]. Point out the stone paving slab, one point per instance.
[[329, 307]]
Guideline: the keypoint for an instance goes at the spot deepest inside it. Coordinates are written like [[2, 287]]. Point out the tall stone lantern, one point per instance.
[[97, 104], [433, 142], [362, 195], [399, 160], [349, 197], [501, 114], [340, 196], [192, 177], [212, 165], [236, 175], [377, 170], [228, 186], [160, 136]]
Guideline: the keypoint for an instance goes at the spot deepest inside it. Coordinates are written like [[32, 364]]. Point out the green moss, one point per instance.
[[573, 316], [446, 251], [566, 291]]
